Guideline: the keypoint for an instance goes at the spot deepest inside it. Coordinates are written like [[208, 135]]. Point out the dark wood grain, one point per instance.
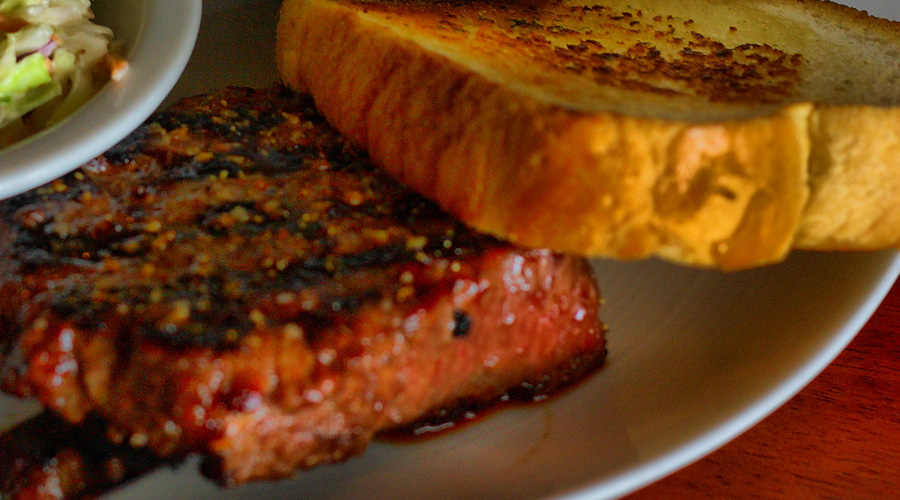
[[838, 439]]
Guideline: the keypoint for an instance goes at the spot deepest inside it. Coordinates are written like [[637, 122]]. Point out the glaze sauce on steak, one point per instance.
[[235, 279], [47, 458]]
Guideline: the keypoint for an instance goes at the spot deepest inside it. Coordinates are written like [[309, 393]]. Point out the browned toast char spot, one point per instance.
[[633, 49], [234, 279]]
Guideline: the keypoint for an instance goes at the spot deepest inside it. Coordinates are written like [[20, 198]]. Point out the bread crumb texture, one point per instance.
[[715, 137]]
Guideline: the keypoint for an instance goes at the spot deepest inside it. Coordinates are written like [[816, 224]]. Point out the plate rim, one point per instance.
[[745, 417]]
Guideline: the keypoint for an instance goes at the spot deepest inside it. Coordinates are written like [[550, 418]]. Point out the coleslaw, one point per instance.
[[53, 58]]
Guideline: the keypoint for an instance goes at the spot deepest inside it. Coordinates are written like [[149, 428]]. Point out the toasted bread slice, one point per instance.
[[715, 133]]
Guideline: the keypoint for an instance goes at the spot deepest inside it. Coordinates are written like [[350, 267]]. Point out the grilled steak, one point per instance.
[[46, 458], [234, 279]]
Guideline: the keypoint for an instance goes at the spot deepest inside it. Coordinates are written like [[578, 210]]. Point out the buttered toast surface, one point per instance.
[[712, 132], [695, 60]]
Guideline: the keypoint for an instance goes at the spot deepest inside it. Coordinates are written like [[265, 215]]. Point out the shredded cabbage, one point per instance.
[[53, 58]]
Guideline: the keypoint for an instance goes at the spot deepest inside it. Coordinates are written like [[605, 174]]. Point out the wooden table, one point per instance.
[[839, 439]]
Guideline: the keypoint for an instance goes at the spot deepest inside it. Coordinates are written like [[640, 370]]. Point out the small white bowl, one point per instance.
[[159, 37]]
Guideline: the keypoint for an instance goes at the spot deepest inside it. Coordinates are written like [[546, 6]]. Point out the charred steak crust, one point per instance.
[[48, 458], [235, 279]]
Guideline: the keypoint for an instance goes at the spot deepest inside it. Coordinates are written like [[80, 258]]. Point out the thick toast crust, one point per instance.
[[721, 179]]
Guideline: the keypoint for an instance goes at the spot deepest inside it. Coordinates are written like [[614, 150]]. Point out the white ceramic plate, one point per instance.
[[159, 37], [695, 358]]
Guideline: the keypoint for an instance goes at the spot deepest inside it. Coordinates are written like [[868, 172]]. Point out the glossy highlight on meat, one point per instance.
[[235, 279]]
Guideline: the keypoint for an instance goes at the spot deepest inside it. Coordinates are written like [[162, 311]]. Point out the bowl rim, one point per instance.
[[164, 41]]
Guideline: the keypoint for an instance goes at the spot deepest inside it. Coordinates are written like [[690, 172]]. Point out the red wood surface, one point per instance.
[[839, 439]]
